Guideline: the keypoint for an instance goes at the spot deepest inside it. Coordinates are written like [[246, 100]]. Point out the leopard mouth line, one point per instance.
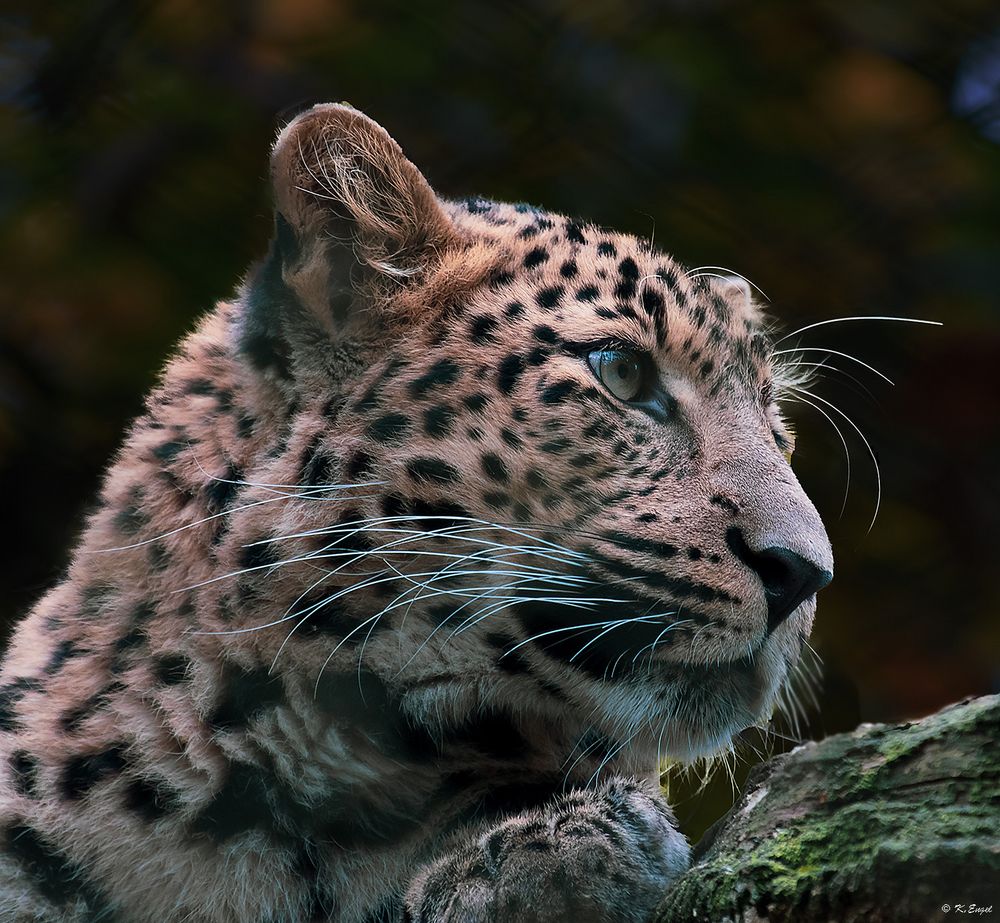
[[728, 696], [609, 642]]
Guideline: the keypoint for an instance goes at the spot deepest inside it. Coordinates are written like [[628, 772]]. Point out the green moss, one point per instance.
[[911, 808]]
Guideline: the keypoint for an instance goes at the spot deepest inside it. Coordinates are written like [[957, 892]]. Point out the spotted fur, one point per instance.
[[388, 608]]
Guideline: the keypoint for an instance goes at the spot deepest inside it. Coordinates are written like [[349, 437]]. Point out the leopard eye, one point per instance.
[[785, 445], [621, 371]]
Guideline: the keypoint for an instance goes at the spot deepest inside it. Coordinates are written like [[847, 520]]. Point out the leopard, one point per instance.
[[431, 543]]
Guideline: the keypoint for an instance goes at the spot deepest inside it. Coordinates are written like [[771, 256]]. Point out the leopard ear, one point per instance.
[[335, 171], [736, 287], [354, 221]]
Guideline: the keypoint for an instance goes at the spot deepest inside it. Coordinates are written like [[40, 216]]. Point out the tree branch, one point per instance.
[[888, 823]]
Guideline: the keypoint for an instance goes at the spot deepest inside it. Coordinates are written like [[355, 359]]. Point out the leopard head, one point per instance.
[[558, 465]]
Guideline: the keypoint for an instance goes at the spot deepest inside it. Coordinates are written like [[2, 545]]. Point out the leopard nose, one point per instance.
[[788, 578]]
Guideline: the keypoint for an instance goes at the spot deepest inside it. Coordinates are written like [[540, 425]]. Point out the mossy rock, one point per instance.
[[887, 824]]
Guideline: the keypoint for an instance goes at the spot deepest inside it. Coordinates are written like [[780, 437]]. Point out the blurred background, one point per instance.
[[842, 154]]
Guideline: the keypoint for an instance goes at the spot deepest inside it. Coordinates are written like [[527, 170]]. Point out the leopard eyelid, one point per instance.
[[583, 348]]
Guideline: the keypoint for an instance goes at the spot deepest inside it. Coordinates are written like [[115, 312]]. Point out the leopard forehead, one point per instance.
[[559, 277]]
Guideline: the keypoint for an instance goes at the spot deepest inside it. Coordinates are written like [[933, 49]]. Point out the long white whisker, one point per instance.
[[833, 352], [401, 600], [651, 647], [570, 602], [696, 273], [488, 593], [373, 581], [493, 554], [342, 642], [477, 525], [547, 577], [229, 512], [471, 593], [323, 554], [840, 435], [591, 746], [289, 614], [610, 755], [555, 631], [828, 366], [861, 435], [628, 621], [841, 320]]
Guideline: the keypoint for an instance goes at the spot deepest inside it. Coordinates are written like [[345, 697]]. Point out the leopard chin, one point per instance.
[[692, 711], [719, 703]]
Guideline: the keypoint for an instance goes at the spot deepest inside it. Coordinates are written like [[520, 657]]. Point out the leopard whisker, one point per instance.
[[611, 754], [370, 620], [378, 615], [534, 577], [649, 667], [463, 591], [828, 366], [841, 320], [867, 444], [286, 618], [367, 526], [660, 770], [517, 528], [651, 647], [247, 570], [572, 602], [808, 675], [696, 273], [801, 682], [788, 705], [492, 555], [610, 675], [214, 516], [840, 435], [312, 609], [555, 631], [305, 614], [443, 574], [305, 488], [473, 593], [728, 759], [583, 753], [323, 554], [478, 616], [477, 525], [833, 352], [491, 610], [629, 621], [498, 552]]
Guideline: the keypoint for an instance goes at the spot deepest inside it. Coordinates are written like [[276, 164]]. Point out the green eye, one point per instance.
[[786, 445], [621, 371]]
